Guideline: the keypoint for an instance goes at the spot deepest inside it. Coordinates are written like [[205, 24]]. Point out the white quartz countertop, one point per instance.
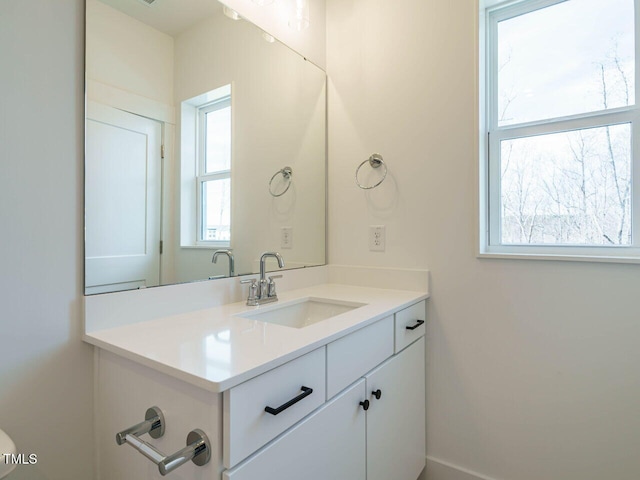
[[215, 349]]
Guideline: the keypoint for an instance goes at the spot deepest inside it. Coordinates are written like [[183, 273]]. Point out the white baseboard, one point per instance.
[[441, 470]]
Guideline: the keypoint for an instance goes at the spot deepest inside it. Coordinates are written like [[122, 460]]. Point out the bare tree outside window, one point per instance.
[[568, 186]]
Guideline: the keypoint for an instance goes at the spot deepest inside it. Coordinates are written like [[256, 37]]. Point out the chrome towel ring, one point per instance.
[[286, 173], [375, 161]]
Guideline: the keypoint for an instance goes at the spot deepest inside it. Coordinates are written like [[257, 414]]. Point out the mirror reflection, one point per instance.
[[205, 146]]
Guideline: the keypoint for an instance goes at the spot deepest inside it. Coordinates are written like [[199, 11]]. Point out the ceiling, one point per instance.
[[168, 16]]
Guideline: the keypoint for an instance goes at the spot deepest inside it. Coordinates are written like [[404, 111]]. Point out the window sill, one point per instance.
[[558, 257], [206, 247]]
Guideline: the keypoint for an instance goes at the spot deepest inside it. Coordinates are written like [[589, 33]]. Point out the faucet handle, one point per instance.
[[253, 291], [271, 291]]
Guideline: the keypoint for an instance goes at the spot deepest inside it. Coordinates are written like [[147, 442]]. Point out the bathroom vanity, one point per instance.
[[337, 393], [327, 382]]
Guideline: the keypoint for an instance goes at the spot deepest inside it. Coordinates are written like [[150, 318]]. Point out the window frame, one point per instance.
[[491, 135], [202, 177]]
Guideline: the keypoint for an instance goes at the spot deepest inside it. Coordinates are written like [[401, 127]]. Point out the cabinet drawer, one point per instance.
[[328, 445], [409, 317], [247, 426], [354, 355]]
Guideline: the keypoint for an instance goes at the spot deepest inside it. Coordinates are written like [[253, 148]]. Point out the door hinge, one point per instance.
[[161, 245], [162, 151]]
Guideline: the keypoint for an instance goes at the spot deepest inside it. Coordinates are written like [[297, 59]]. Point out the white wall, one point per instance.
[[533, 367], [127, 54], [45, 369]]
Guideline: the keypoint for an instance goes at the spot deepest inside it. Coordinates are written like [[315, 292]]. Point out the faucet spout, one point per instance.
[[228, 253], [264, 291], [263, 260]]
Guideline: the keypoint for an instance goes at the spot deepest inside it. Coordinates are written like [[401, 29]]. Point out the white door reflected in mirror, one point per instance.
[[122, 200]]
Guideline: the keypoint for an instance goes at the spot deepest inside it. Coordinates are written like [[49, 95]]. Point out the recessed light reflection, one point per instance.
[[300, 15], [268, 37], [232, 14]]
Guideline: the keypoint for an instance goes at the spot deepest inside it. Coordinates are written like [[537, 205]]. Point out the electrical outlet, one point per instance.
[[286, 237], [376, 238]]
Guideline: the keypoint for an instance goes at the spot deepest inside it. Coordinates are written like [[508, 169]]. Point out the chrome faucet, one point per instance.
[[232, 263], [267, 290], [264, 291]]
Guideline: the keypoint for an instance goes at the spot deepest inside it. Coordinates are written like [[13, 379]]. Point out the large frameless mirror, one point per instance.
[[203, 135]]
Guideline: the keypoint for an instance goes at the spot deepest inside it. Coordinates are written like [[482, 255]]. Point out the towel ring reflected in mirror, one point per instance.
[[286, 173], [375, 161]]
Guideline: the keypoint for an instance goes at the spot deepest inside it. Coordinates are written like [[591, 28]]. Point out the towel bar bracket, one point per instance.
[[198, 448]]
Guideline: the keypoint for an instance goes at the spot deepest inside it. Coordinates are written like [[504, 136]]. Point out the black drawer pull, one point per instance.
[[306, 391], [365, 405], [377, 393], [420, 322]]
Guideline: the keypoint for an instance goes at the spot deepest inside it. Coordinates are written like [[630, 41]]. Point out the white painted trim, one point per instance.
[[558, 125], [192, 163], [440, 470], [490, 135], [480, 139], [129, 102], [513, 8], [188, 152], [211, 96], [564, 258], [635, 139]]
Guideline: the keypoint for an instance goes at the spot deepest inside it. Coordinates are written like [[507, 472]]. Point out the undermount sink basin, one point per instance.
[[6, 446], [301, 313]]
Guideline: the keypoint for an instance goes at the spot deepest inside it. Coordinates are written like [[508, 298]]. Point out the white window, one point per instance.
[[205, 169], [214, 173], [560, 175]]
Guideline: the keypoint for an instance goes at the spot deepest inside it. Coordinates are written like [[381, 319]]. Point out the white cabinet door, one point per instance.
[[396, 443], [328, 445]]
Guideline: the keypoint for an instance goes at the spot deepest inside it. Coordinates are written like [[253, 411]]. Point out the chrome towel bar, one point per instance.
[[198, 448]]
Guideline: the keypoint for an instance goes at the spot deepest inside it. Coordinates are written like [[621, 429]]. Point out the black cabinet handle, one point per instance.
[[306, 391], [377, 393], [365, 405], [419, 322]]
